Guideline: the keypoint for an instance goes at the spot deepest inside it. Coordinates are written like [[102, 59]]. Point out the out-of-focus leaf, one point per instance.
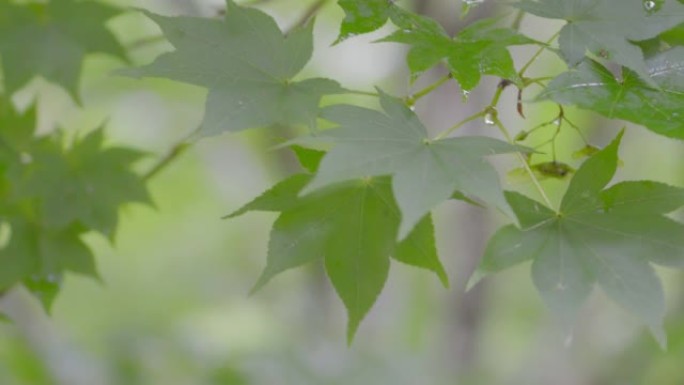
[[51, 40], [246, 63]]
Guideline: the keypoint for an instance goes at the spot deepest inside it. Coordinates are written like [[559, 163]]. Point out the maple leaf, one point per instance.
[[608, 27], [425, 172], [480, 48], [51, 40], [353, 226], [593, 87], [85, 183], [246, 63], [604, 236], [38, 256], [362, 16]]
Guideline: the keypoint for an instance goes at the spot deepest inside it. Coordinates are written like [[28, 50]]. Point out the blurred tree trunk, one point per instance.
[[469, 227]]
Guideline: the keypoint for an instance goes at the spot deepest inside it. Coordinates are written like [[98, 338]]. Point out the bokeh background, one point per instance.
[[173, 307]]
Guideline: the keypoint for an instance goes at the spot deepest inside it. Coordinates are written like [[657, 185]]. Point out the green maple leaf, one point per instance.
[[608, 27], [51, 40], [246, 63], [480, 48], [39, 256], [353, 226], [44, 288], [425, 172], [600, 235], [363, 16], [593, 87], [86, 183]]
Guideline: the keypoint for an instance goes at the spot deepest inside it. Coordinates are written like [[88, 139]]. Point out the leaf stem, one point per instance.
[[411, 99], [518, 20], [534, 57], [458, 125], [310, 12], [176, 151], [526, 166]]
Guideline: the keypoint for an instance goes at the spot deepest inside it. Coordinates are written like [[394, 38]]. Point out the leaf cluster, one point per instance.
[[368, 199]]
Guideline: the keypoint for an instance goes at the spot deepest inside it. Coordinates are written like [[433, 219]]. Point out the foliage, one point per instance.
[[368, 198]]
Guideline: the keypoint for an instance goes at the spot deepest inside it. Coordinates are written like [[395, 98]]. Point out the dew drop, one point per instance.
[[464, 95], [649, 5], [557, 122], [412, 107], [489, 119], [25, 158]]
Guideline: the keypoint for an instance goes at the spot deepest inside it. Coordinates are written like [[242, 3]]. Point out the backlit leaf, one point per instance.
[[480, 48], [353, 227], [51, 40], [246, 63], [394, 142], [604, 236]]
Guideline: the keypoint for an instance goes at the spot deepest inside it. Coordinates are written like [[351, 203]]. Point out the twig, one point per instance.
[[310, 12]]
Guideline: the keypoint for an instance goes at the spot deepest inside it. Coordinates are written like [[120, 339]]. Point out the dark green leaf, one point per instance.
[[308, 158], [362, 16], [51, 40], [246, 63], [353, 226], [604, 236], [419, 250], [593, 87]]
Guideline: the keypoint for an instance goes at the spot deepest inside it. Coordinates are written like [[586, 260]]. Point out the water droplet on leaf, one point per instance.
[[649, 5], [464, 95], [489, 119]]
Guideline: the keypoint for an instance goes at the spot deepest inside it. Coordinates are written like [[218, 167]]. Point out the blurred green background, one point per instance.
[[172, 307]]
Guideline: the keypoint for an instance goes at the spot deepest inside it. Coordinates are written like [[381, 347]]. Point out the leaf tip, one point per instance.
[[352, 328], [264, 278], [475, 278], [658, 332]]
